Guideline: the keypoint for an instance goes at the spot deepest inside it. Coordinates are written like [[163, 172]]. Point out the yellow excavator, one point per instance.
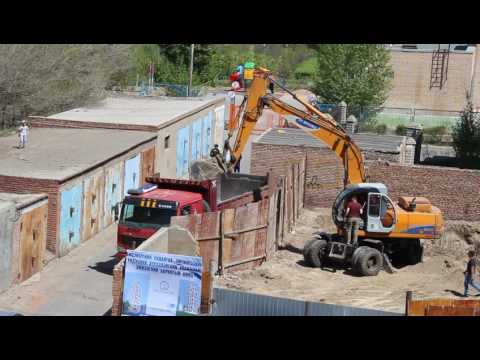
[[391, 231]]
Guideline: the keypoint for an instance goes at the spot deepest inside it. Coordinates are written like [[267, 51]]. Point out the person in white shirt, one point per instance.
[[22, 133]]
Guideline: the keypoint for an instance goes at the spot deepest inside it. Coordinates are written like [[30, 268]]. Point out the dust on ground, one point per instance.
[[286, 275]]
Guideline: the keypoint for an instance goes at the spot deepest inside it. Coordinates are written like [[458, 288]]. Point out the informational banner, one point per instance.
[[158, 284]]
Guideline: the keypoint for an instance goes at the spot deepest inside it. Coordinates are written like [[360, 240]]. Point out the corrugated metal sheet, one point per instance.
[[70, 218], [132, 174], [236, 303], [298, 137], [183, 142]]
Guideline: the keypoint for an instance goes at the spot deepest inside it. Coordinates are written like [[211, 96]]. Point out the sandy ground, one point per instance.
[[440, 275]]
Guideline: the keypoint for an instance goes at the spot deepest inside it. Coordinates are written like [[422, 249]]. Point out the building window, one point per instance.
[[167, 142]]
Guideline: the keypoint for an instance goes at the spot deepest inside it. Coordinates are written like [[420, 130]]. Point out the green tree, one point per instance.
[[466, 137], [359, 74]]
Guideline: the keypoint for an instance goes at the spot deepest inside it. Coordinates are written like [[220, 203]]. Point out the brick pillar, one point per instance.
[[117, 288], [415, 131], [343, 113], [351, 124], [410, 145]]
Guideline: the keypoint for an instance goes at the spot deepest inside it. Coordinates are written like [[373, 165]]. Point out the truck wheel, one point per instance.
[[369, 262], [414, 252], [316, 253]]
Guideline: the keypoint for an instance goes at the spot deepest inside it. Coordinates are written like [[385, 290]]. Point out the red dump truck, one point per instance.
[[149, 208]]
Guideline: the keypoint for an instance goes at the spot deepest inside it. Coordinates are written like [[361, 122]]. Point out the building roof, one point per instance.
[[298, 137], [22, 200], [141, 111], [59, 154]]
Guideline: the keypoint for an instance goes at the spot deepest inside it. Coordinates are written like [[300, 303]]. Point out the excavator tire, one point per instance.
[[306, 247], [316, 253], [356, 255], [369, 262]]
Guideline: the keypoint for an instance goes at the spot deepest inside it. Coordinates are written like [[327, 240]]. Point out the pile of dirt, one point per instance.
[[204, 170], [458, 238]]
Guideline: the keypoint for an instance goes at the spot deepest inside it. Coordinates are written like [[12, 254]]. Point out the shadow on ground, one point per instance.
[[105, 267]]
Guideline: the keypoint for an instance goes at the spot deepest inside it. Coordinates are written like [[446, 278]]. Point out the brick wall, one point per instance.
[[411, 81], [21, 185], [454, 191], [324, 171], [117, 288]]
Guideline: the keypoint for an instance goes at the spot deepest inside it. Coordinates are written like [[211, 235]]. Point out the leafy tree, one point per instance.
[[40, 78], [358, 74], [466, 137]]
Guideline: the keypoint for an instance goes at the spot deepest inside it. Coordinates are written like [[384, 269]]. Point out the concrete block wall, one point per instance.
[[324, 171], [454, 191], [411, 81]]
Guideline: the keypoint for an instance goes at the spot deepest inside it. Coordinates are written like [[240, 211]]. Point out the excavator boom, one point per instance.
[[314, 122]]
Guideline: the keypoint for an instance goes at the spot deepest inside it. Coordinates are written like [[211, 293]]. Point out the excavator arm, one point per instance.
[[314, 122]]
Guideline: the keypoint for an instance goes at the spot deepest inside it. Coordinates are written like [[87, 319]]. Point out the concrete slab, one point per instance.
[[156, 111], [59, 153], [21, 200]]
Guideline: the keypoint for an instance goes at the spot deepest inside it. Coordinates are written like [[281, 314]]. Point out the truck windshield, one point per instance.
[[143, 216]]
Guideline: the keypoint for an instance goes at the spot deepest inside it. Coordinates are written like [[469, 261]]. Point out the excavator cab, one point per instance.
[[378, 209]]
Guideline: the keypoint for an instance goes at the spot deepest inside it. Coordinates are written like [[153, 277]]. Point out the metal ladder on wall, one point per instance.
[[439, 71]]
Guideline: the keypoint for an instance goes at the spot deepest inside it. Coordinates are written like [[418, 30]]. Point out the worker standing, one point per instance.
[[22, 134], [470, 272], [353, 212]]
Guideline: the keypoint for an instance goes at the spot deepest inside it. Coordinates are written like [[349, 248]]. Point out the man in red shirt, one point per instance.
[[353, 212]]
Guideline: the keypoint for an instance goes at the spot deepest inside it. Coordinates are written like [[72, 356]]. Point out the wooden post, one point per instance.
[[220, 245], [408, 298]]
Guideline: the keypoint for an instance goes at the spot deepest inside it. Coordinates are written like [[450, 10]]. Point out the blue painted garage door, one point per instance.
[[183, 143], [70, 218], [207, 134], [132, 174], [197, 140]]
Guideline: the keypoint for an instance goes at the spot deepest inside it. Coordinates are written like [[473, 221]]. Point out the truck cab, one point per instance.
[[144, 211]]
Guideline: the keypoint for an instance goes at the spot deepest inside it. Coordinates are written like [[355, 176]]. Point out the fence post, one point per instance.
[[220, 245], [408, 298]]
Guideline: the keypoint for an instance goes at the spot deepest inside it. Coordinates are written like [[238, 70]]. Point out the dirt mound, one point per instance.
[[204, 170], [458, 238]]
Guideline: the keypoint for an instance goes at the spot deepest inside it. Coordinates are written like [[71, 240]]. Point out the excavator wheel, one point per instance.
[[356, 255], [316, 253], [369, 261], [306, 247]]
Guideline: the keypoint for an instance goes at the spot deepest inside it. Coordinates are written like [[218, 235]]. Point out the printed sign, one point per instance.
[[158, 284]]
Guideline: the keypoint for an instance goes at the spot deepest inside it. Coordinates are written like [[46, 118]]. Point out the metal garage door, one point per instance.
[[207, 134], [113, 193], [183, 142], [132, 174], [197, 140], [70, 218]]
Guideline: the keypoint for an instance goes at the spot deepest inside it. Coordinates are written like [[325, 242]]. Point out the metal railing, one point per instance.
[[237, 303]]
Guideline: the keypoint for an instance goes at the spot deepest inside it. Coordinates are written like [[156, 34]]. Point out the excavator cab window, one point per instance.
[[381, 213]]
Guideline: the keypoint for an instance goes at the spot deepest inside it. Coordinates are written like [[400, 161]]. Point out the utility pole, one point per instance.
[[192, 49]]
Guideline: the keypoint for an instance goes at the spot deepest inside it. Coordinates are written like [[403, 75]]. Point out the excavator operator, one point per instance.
[[353, 213]]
